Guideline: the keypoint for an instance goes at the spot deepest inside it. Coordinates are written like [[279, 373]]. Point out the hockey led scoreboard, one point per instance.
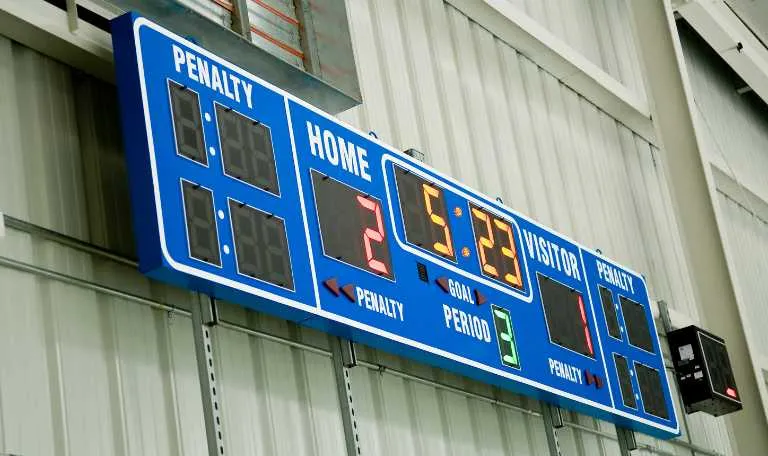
[[248, 194]]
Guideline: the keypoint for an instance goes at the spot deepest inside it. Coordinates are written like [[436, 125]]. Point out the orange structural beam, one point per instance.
[[224, 4], [284, 46], [276, 12]]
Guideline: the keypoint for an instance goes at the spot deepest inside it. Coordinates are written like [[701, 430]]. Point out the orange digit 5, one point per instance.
[[447, 247]]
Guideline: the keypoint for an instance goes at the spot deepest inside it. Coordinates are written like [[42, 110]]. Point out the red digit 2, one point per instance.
[[373, 235]]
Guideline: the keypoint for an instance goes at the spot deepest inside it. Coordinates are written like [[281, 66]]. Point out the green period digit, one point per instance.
[[505, 337]]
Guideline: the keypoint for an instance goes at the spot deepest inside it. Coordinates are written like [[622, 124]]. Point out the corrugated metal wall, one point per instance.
[[601, 30], [747, 235], [89, 371], [735, 129]]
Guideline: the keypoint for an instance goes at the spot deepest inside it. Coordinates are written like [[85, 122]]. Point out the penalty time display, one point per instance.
[[245, 193]]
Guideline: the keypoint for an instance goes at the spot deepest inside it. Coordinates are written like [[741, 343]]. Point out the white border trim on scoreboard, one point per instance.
[[316, 310]]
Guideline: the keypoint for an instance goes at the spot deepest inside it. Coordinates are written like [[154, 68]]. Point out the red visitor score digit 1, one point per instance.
[[586, 327]]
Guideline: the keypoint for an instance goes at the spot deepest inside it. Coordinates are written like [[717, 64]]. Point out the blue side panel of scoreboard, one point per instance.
[[243, 192]]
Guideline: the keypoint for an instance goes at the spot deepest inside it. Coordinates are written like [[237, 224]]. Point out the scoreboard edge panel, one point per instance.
[[312, 303]]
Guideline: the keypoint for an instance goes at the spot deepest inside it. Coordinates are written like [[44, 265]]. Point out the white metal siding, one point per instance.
[[212, 10], [735, 126], [735, 132], [600, 30], [434, 80], [85, 372], [747, 235]]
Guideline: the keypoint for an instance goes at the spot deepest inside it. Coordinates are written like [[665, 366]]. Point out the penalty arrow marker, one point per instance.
[[479, 298], [332, 285], [349, 291]]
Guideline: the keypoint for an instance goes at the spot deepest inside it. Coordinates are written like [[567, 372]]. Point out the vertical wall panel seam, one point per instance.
[[163, 323], [113, 346], [432, 27], [256, 351], [394, 133], [454, 15], [649, 234], [502, 54], [410, 75], [543, 214], [55, 374], [482, 117], [299, 358], [554, 107]]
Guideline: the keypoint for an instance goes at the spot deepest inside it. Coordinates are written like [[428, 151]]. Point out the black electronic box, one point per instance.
[[703, 372]]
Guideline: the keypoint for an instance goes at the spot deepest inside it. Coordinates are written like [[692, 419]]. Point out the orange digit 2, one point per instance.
[[375, 235], [485, 242], [447, 247], [511, 253]]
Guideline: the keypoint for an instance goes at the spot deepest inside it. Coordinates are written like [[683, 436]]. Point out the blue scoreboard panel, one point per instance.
[[243, 192]]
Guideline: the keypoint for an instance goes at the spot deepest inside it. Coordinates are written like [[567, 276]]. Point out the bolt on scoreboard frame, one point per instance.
[[246, 193]]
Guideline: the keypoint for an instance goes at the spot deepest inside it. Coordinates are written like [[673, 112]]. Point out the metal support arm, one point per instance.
[[627, 441], [344, 358], [553, 420], [204, 318]]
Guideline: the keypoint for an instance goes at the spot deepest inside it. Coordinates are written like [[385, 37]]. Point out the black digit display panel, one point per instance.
[[200, 218], [425, 216], [625, 381], [261, 247], [246, 149], [609, 310], [496, 240], [351, 226], [566, 316], [719, 367], [187, 123], [637, 325], [651, 391]]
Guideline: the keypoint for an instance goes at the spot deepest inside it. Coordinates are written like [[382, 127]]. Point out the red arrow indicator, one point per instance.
[[443, 282], [598, 382], [332, 285], [589, 377], [349, 291], [479, 298]]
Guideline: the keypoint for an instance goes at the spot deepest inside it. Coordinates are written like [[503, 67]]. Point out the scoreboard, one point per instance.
[[246, 193]]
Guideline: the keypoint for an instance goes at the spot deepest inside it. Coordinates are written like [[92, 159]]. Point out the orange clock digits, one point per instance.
[[498, 257], [510, 252], [485, 242]]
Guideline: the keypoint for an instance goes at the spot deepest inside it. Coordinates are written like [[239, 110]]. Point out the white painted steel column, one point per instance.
[[689, 178]]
